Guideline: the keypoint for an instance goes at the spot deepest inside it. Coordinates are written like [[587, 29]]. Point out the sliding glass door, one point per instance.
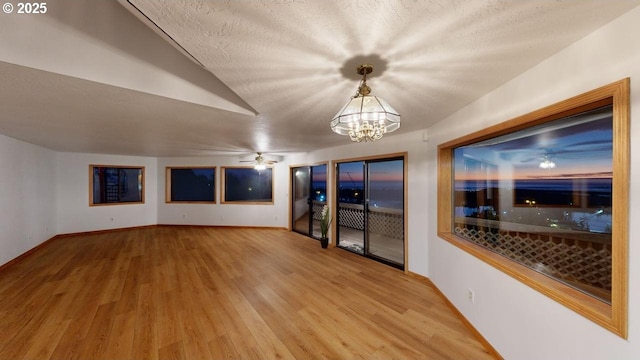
[[371, 209], [351, 199], [385, 210], [309, 195], [300, 178]]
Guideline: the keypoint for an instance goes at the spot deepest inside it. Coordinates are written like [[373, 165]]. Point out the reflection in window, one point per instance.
[[248, 185], [319, 183], [195, 184], [556, 220], [351, 182], [116, 185]]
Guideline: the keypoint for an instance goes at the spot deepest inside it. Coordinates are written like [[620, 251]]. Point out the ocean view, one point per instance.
[[576, 203]]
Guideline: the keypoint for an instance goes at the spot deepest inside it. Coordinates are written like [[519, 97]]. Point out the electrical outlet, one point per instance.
[[471, 295]]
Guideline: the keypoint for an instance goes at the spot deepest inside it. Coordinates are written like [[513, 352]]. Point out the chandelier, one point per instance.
[[365, 117], [547, 163]]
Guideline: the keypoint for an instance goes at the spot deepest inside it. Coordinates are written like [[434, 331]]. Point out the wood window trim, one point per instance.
[[167, 185], [92, 166], [612, 317], [223, 187]]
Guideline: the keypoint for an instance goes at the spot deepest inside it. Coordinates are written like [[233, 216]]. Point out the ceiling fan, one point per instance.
[[259, 162]]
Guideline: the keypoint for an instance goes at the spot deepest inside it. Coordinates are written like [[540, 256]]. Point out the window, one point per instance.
[[111, 185], [544, 198], [247, 185], [191, 184]]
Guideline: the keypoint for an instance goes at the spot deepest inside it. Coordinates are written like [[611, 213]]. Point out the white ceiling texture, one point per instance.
[[205, 77]]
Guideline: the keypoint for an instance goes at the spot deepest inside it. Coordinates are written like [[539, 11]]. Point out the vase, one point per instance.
[[324, 241]]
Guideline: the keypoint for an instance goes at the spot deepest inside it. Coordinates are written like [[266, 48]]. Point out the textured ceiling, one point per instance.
[[292, 63]]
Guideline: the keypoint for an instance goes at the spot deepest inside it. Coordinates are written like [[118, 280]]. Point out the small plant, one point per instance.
[[325, 221]]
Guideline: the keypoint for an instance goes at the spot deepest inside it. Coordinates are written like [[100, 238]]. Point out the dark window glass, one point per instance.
[[248, 185], [192, 184], [115, 185]]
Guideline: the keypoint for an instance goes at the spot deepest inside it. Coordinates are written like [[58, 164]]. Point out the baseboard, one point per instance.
[[158, 225], [92, 232], [455, 310], [227, 226], [14, 261]]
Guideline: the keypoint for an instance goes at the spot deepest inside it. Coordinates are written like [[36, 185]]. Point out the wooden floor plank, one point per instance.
[[222, 348], [167, 319], [120, 344], [99, 332], [196, 346], [23, 335], [219, 293], [145, 333], [46, 340], [173, 351]]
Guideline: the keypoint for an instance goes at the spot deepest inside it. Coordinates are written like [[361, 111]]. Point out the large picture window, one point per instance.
[[247, 185], [191, 184], [111, 185], [544, 198]]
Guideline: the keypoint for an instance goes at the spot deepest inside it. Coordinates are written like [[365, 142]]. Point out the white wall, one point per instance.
[[275, 215], [72, 191], [520, 322], [27, 197]]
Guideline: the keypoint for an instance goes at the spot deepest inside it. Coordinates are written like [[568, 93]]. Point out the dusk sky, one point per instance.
[[319, 173], [583, 149], [379, 171]]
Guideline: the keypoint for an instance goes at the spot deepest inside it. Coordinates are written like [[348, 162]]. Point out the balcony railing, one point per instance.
[[579, 259], [384, 221]]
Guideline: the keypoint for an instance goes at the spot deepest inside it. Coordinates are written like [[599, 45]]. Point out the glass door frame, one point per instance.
[[310, 201], [335, 204], [371, 245]]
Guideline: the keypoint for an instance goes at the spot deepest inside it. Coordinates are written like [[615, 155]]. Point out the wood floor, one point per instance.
[[218, 293]]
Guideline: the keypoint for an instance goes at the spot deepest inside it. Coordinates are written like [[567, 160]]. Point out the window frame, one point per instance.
[[142, 184], [167, 192], [612, 317], [223, 187]]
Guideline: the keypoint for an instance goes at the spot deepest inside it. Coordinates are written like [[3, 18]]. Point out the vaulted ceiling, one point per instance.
[[188, 78]]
